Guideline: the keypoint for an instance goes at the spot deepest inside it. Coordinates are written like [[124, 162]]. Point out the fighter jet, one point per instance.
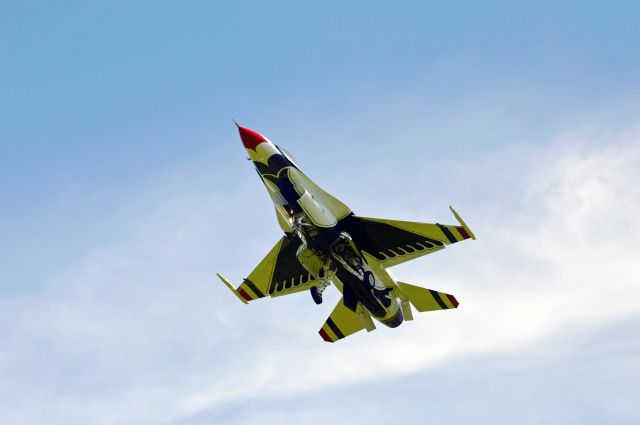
[[325, 243]]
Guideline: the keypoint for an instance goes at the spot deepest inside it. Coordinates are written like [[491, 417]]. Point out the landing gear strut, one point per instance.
[[316, 291]]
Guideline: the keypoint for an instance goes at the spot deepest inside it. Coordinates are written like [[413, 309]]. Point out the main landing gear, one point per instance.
[[316, 292]]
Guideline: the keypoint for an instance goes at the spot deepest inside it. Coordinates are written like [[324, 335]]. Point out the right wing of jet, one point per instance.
[[343, 322], [279, 273], [393, 242]]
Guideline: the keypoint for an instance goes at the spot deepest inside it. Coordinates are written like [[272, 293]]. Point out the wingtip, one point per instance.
[[231, 288], [462, 223]]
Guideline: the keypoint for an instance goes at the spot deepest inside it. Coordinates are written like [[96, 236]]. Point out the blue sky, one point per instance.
[[124, 188]]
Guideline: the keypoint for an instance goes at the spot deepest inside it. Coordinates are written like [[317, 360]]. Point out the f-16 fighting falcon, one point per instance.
[[325, 243]]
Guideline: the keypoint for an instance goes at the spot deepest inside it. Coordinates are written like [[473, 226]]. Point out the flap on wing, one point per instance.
[[343, 322], [279, 273], [394, 241]]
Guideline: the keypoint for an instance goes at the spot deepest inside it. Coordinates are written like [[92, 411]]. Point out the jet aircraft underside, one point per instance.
[[325, 243]]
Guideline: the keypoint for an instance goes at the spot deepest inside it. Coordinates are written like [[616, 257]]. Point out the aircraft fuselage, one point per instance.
[[316, 221]]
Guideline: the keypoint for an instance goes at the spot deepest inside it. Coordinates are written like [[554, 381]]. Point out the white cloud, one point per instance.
[[139, 332]]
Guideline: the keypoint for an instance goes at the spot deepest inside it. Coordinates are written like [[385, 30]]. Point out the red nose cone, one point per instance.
[[251, 139]]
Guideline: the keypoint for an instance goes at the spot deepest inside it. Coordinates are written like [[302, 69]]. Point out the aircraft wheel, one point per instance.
[[316, 295], [369, 279]]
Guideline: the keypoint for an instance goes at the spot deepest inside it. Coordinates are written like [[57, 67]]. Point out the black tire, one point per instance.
[[317, 296], [370, 279]]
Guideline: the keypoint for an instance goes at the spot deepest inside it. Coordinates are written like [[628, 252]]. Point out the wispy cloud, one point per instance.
[[139, 332]]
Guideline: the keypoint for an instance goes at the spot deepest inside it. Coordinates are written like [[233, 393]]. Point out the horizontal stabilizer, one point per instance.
[[427, 299], [343, 322]]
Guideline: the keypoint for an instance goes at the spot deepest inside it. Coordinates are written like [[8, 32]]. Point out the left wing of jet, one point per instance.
[[279, 273], [392, 242]]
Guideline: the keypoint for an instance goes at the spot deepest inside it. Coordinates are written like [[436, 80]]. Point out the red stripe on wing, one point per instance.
[[244, 294], [462, 232]]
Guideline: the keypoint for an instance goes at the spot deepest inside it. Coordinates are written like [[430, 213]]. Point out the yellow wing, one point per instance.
[[343, 322], [279, 273], [393, 241]]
